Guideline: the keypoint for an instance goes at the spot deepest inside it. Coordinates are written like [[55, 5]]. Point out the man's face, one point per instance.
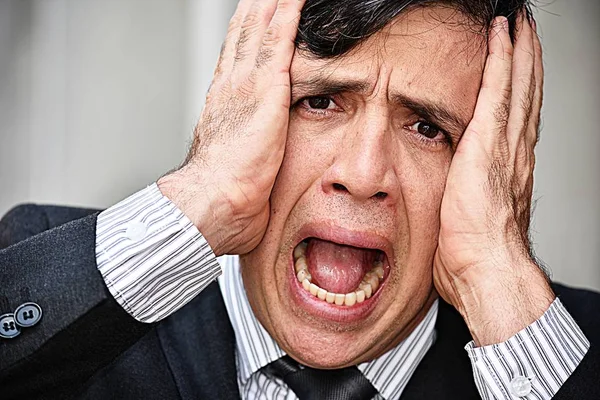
[[361, 185]]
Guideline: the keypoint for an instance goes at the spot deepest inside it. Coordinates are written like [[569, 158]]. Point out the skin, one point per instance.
[[455, 210]]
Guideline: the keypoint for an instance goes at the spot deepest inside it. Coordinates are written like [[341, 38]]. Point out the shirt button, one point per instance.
[[136, 231], [520, 386], [28, 314], [8, 327]]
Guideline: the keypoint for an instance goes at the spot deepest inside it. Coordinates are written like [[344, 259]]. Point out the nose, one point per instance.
[[364, 166]]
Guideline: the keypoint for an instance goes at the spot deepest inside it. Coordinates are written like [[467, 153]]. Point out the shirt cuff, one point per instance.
[[534, 363], [152, 258]]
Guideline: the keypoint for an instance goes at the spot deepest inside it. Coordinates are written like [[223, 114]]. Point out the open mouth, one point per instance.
[[339, 274]]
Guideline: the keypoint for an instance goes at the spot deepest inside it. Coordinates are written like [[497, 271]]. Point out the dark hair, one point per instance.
[[330, 28]]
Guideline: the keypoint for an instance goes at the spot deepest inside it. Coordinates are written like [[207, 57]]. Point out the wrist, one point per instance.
[[498, 305], [192, 197]]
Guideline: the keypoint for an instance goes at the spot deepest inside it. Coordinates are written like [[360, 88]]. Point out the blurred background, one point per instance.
[[98, 98]]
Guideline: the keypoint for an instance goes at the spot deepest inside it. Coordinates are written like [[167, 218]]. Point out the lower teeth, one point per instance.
[[369, 285]]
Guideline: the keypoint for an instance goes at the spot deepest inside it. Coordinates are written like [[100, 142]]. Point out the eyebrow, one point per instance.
[[431, 111], [321, 85]]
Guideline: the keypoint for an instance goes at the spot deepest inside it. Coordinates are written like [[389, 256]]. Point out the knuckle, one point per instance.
[[284, 5], [287, 7], [254, 17], [233, 26], [272, 35]]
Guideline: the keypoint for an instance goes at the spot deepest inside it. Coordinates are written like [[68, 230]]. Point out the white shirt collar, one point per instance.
[[255, 348]]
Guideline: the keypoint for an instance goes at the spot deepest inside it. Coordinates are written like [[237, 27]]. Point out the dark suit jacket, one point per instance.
[[87, 347]]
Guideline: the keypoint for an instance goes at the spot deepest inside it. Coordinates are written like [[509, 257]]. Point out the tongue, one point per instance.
[[337, 268]]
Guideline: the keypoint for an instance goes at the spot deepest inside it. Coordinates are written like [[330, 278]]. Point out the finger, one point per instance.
[[523, 86], [278, 43], [533, 129], [493, 103], [251, 35], [228, 48]]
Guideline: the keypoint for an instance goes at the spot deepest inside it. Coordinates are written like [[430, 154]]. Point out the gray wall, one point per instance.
[[567, 220], [98, 98], [92, 98]]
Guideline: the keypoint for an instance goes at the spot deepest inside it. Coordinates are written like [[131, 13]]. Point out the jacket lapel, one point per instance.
[[445, 372], [199, 344]]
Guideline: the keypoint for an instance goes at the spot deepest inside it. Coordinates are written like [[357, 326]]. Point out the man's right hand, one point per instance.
[[225, 183]]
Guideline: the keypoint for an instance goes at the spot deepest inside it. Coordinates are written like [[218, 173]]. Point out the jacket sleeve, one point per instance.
[[82, 327]]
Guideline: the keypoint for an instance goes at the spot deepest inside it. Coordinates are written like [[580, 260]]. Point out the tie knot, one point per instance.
[[321, 384]]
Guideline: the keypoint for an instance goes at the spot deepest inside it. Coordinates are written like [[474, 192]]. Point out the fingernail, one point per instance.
[[504, 23]]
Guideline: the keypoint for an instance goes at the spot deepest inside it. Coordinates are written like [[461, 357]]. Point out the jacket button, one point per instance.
[[28, 314], [8, 327]]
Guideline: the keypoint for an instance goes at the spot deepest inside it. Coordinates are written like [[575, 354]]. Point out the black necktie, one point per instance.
[[320, 384]]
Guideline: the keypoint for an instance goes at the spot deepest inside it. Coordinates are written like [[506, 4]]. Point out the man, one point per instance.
[[381, 159]]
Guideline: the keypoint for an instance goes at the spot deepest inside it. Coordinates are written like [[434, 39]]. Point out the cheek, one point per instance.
[[422, 178], [307, 155]]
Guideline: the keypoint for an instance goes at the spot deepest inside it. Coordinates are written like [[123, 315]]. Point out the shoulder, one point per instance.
[[21, 222], [583, 305], [27, 220]]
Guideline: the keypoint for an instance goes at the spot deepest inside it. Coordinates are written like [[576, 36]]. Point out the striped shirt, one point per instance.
[[154, 260]]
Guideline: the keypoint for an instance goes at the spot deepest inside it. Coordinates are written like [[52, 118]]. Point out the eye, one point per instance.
[[426, 129], [319, 103]]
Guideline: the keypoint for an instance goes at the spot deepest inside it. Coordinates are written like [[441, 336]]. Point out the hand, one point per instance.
[[482, 265], [225, 183]]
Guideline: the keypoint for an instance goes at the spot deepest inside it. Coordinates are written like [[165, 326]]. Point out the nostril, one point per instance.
[[339, 187], [380, 195]]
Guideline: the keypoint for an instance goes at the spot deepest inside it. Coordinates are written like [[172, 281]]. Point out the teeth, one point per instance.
[[300, 250], [360, 296], [378, 269], [330, 297], [350, 299], [373, 280], [306, 284], [302, 275], [322, 294], [369, 285], [366, 287], [300, 264]]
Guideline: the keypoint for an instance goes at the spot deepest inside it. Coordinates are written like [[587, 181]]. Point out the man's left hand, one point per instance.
[[483, 265]]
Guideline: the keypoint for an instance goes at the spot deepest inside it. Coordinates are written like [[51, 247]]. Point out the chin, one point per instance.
[[333, 297], [318, 348]]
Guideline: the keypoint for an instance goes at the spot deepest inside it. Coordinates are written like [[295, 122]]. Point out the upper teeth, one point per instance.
[[369, 285]]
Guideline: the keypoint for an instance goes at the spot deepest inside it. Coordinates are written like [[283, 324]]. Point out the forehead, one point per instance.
[[428, 52]]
